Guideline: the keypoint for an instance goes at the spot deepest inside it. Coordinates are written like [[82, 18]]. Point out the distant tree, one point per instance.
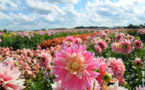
[[43, 29], [131, 26], [5, 30]]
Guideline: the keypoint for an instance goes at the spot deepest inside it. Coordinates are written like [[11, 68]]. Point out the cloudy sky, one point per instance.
[[38, 14]]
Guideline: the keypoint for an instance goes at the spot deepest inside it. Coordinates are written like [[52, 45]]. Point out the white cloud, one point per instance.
[[42, 15], [41, 7], [38, 14], [8, 5], [62, 1], [122, 12]]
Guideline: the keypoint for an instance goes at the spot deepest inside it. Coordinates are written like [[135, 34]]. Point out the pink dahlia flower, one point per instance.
[[103, 35], [74, 68], [102, 69], [45, 59], [120, 79], [78, 41], [9, 61], [138, 62], [117, 67], [9, 78], [0, 40], [140, 88], [116, 47], [98, 49], [126, 47], [68, 44], [107, 40], [119, 37], [102, 44], [137, 44], [70, 39]]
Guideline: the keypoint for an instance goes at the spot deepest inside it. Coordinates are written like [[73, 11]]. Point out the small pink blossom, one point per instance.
[[138, 62], [116, 47], [0, 40], [102, 44], [126, 47], [116, 87], [117, 67], [98, 49], [140, 88], [137, 44]]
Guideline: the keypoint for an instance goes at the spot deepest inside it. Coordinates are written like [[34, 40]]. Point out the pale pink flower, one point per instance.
[[120, 79], [9, 61], [57, 86], [74, 67], [117, 67], [45, 59], [116, 87], [107, 40], [116, 47], [98, 49], [66, 43], [137, 44], [138, 62], [126, 47], [70, 39], [38, 47], [103, 35], [78, 41], [140, 88], [102, 44], [0, 40], [9, 78], [119, 37]]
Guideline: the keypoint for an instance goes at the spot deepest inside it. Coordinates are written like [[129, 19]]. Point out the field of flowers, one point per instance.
[[73, 60]]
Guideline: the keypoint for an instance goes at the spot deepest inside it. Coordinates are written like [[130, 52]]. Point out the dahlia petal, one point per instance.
[[1, 70], [79, 54], [67, 56], [94, 74], [86, 73], [63, 60], [79, 75], [75, 48], [60, 76], [16, 76], [67, 68], [81, 59], [84, 66], [68, 76], [73, 72], [87, 82], [93, 65], [88, 57], [74, 56]]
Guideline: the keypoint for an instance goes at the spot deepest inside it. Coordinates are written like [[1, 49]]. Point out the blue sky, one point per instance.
[[38, 14]]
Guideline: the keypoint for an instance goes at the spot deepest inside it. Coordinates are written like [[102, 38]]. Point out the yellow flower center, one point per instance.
[[75, 65], [118, 46]]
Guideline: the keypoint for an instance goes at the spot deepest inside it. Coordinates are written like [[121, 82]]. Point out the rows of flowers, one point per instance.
[[58, 41], [108, 60], [20, 40]]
